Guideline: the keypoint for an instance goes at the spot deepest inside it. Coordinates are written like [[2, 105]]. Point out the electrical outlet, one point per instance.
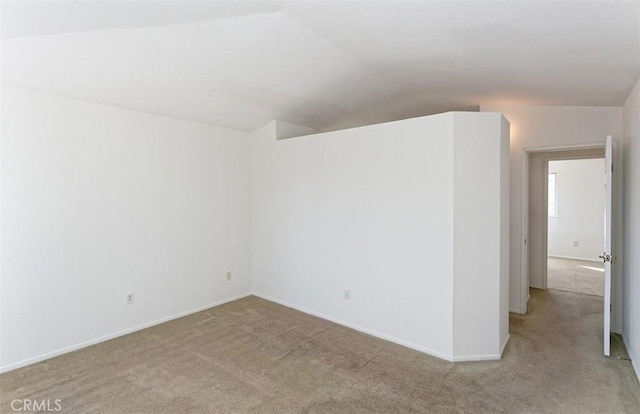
[[575, 243], [228, 275], [131, 298], [347, 294]]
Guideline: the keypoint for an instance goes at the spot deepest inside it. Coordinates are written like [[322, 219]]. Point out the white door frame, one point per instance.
[[545, 217], [527, 152], [608, 255]]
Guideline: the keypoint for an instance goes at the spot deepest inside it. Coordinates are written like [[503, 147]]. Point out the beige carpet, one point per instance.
[[575, 276], [253, 356]]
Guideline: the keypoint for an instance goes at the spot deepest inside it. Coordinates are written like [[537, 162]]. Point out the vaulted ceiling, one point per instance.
[[322, 64]]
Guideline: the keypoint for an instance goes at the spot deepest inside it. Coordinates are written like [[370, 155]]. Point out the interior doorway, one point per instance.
[[535, 224], [537, 215], [575, 230]]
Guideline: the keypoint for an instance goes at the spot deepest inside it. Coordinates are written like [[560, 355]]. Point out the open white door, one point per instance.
[[607, 256]]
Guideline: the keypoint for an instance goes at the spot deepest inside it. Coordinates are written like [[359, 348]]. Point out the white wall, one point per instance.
[[580, 190], [631, 252], [99, 201], [481, 247], [535, 127], [372, 210], [356, 209]]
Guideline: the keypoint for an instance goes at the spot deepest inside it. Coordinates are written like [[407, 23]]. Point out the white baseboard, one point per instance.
[[389, 338], [357, 328], [582, 259], [476, 358], [490, 357], [61, 351], [49, 355], [635, 364]]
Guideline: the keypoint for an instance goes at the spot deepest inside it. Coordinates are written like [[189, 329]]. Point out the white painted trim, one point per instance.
[[563, 147], [545, 224], [105, 338], [361, 329], [526, 155], [524, 208], [524, 234], [489, 357], [516, 310], [634, 363], [545, 216], [582, 259], [476, 358], [85, 344]]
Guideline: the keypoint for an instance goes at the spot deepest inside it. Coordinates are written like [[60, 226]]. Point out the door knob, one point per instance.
[[607, 258]]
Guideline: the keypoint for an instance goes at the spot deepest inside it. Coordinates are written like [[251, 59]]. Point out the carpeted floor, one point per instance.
[[575, 276], [253, 356]]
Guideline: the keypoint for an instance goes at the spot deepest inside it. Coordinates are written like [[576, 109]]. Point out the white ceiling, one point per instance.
[[323, 64]]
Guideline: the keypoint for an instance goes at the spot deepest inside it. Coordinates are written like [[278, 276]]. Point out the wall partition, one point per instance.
[[398, 229]]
